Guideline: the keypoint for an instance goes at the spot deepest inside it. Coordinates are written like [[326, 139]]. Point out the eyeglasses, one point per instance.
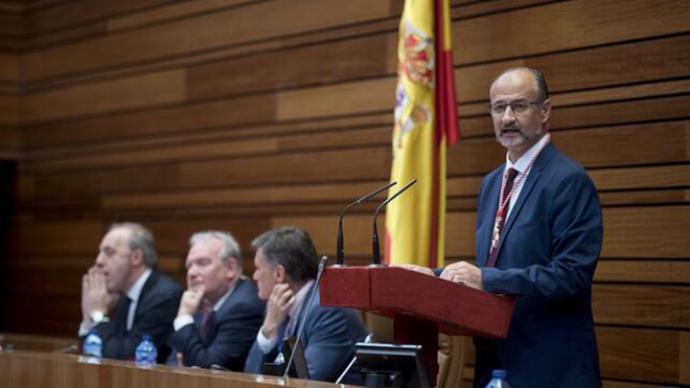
[[517, 107]]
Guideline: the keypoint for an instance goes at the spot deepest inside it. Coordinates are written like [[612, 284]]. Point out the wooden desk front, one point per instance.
[[30, 369]]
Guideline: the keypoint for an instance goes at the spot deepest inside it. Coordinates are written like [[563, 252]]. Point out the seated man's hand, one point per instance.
[[95, 295], [464, 273], [279, 303], [191, 300]]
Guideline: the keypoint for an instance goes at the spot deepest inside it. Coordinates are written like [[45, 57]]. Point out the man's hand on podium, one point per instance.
[[465, 273]]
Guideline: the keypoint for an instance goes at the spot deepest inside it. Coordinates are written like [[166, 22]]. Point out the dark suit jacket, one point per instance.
[[155, 312], [230, 335], [328, 340], [547, 257]]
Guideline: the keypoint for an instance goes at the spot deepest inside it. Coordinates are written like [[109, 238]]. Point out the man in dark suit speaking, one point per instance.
[[539, 234], [123, 297], [220, 313]]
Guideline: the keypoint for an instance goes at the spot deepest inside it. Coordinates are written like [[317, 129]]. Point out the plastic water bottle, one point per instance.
[[498, 379], [146, 353], [93, 345]]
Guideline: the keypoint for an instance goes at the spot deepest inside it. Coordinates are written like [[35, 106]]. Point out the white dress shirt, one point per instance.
[[522, 166]]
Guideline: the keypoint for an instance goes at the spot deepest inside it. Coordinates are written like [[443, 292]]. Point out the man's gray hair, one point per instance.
[[140, 238], [229, 249], [539, 80], [292, 248]]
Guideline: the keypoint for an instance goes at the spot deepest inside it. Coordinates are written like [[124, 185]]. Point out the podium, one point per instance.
[[420, 305]]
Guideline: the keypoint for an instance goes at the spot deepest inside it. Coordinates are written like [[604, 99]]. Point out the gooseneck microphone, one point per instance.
[[339, 258], [306, 308], [375, 237]]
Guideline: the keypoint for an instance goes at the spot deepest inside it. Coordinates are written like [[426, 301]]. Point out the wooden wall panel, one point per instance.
[[361, 97], [349, 59], [152, 122], [657, 306], [9, 67], [11, 23], [170, 11], [9, 143], [643, 354], [65, 237], [208, 31], [647, 232], [127, 93], [133, 155], [637, 271], [246, 114], [564, 25], [67, 14], [642, 177], [9, 110]]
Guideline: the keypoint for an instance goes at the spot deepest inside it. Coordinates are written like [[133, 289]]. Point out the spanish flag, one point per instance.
[[425, 124]]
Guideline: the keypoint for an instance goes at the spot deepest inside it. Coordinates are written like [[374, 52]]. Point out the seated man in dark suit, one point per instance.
[[124, 297], [286, 266], [220, 313]]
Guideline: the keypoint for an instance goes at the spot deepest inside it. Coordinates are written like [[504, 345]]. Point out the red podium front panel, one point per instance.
[[392, 291]]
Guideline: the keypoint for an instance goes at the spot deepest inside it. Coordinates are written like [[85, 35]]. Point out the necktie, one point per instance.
[[501, 216], [289, 327], [122, 313], [206, 322], [283, 334]]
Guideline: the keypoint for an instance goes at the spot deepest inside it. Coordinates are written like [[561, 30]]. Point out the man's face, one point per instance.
[[518, 131], [205, 268], [264, 275], [114, 260]]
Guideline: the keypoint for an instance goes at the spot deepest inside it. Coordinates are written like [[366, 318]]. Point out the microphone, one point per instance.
[[375, 238], [339, 258], [307, 307]]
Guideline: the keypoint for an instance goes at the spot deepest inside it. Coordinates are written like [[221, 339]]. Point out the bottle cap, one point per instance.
[[499, 373]]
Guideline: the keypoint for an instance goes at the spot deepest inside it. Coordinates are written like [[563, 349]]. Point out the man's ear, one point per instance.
[[280, 274], [546, 111], [234, 268], [137, 257]]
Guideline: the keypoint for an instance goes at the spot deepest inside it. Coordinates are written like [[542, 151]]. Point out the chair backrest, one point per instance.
[[454, 354]]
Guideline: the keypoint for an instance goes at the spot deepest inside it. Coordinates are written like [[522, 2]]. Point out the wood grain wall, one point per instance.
[[247, 114]]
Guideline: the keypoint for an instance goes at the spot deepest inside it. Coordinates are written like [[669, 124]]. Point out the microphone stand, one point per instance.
[[339, 258], [300, 330], [375, 238]]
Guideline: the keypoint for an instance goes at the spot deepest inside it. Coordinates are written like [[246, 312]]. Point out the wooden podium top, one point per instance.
[[19, 369], [394, 291]]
